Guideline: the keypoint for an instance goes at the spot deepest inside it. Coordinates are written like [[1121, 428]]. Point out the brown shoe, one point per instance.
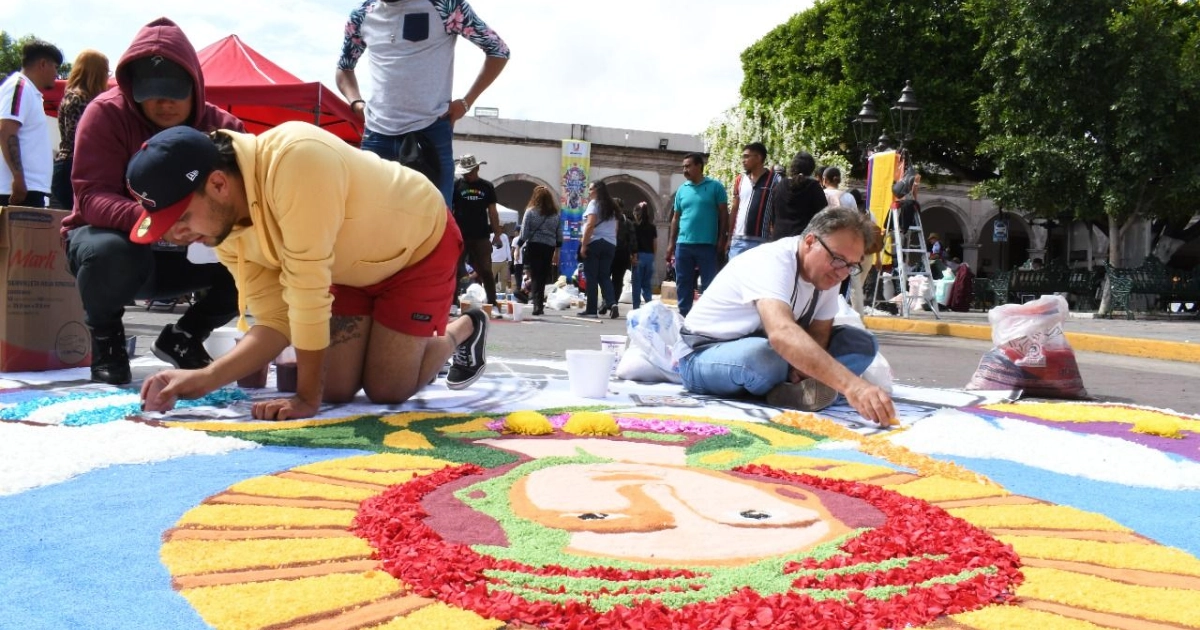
[[807, 395]]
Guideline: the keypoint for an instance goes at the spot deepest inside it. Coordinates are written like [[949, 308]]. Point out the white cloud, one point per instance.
[[668, 65]]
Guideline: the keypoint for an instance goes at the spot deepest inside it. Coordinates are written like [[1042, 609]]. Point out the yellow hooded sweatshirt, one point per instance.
[[322, 213]]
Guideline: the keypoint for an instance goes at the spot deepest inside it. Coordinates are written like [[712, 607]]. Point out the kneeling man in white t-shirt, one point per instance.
[[765, 326]]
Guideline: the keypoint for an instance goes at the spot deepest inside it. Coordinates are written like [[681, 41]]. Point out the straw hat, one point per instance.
[[466, 164]]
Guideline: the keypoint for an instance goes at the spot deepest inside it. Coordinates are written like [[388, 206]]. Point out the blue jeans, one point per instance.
[[597, 267], [688, 257], [440, 133], [60, 184], [743, 244], [750, 365], [643, 275]]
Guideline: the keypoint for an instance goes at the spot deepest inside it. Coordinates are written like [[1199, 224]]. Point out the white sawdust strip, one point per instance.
[[33, 456], [1097, 457]]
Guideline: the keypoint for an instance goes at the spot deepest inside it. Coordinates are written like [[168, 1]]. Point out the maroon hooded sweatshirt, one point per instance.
[[113, 128]]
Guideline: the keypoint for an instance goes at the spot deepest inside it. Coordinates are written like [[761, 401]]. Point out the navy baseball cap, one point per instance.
[[159, 77], [164, 174]]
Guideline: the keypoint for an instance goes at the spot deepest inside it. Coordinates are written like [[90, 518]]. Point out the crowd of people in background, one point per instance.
[[128, 238]]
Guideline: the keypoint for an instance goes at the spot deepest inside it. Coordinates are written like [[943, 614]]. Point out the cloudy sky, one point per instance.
[[657, 65]]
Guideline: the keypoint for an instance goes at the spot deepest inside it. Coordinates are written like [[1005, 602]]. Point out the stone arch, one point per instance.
[[950, 222], [642, 191], [993, 256], [514, 189]]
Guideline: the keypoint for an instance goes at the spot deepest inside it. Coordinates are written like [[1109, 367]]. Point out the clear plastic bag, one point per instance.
[[654, 329], [1030, 351]]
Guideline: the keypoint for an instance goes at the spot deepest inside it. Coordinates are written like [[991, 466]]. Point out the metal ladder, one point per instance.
[[905, 243]]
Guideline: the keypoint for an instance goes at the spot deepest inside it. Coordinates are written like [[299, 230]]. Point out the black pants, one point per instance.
[[478, 252], [112, 271], [32, 199], [620, 265], [539, 259]]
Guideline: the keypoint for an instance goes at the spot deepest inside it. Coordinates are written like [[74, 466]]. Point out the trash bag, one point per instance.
[[476, 294], [1030, 351], [653, 330]]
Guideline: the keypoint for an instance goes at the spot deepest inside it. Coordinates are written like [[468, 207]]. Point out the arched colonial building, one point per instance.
[[636, 165], [645, 166]]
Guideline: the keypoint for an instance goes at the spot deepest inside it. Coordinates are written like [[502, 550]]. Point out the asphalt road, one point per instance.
[[929, 361]]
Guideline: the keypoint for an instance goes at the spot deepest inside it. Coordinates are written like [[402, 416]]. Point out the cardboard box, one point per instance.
[[41, 326]]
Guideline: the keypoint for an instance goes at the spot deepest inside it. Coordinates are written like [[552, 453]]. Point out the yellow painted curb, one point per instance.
[[1083, 342]]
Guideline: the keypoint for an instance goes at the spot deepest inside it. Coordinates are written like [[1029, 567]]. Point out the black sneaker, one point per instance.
[[587, 315], [183, 350], [471, 355], [110, 359], [807, 395]]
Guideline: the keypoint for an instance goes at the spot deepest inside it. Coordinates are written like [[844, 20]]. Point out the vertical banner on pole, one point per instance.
[[881, 174], [573, 198]]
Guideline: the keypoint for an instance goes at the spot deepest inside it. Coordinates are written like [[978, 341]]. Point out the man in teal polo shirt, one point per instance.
[[699, 229]]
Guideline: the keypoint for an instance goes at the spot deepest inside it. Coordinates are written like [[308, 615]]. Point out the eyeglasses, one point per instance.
[[839, 263]]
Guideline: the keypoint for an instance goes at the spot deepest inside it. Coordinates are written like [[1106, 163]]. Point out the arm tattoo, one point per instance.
[[344, 328], [14, 155]]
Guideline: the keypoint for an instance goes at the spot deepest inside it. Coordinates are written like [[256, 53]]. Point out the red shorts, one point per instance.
[[416, 301]]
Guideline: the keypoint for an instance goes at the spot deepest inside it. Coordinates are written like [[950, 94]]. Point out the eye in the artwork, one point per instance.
[[592, 516], [754, 515]]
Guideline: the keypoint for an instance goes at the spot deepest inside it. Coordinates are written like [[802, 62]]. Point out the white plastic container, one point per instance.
[[588, 372]]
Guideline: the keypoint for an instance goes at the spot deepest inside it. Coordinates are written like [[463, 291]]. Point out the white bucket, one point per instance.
[[616, 345], [519, 311], [221, 341], [588, 371]]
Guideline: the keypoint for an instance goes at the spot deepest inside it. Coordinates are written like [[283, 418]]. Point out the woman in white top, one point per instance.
[[597, 246]]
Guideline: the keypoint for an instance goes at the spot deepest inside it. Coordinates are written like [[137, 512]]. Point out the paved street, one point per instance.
[[925, 360]]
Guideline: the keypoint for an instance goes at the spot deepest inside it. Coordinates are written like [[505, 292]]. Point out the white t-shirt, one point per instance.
[[745, 193], [835, 197], [20, 100], [504, 252], [604, 230], [770, 271]]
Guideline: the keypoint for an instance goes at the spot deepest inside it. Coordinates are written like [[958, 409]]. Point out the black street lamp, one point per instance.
[[904, 117], [864, 127], [905, 114]]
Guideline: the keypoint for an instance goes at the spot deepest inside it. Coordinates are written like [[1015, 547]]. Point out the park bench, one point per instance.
[[1084, 286], [1034, 283], [989, 292], [1161, 285]]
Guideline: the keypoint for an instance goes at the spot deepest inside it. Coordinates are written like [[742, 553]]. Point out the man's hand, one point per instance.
[[456, 110], [671, 254], [161, 390], [496, 242], [872, 403], [18, 192], [284, 409]]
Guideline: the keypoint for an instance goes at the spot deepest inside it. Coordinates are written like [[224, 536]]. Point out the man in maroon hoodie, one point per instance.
[[159, 85]]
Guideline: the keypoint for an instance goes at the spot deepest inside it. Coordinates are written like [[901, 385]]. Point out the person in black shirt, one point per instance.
[[797, 199], [475, 212]]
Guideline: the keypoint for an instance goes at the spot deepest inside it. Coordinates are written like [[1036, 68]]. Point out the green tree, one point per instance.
[[754, 121], [10, 55], [820, 64], [1093, 110]]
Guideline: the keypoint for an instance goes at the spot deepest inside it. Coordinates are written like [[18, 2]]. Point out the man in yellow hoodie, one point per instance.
[[349, 257]]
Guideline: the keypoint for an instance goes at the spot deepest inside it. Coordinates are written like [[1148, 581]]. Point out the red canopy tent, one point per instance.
[[241, 81]]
